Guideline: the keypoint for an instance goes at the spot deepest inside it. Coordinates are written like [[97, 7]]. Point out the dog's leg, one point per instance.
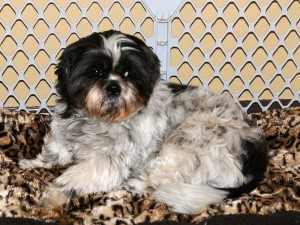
[[93, 175], [53, 153]]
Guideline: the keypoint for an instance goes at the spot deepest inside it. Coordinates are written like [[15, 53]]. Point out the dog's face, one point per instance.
[[107, 75]]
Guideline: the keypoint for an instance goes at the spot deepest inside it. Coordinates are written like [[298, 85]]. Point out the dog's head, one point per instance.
[[106, 75]]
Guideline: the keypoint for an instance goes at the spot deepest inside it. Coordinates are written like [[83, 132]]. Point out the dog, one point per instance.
[[118, 125]]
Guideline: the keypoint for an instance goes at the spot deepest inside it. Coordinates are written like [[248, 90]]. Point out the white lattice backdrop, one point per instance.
[[248, 48]]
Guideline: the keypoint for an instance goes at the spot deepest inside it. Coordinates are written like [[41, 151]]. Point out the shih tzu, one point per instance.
[[119, 126]]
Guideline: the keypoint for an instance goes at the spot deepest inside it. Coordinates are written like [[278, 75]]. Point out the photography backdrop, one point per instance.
[[247, 48]]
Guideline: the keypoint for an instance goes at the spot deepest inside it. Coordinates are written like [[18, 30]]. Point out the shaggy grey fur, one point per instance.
[[182, 147]]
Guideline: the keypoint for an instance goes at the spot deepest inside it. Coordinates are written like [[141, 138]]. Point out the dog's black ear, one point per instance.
[[153, 64], [152, 60], [63, 70]]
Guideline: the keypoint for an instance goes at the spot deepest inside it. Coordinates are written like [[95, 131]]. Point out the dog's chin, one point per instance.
[[112, 108], [111, 112]]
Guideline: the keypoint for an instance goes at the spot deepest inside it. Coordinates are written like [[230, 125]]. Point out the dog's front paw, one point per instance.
[[25, 164], [53, 197]]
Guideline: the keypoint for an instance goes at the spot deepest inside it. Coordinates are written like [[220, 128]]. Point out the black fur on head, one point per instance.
[[106, 75]]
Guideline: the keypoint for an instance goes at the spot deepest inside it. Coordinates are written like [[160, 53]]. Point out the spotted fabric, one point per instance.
[[21, 136]]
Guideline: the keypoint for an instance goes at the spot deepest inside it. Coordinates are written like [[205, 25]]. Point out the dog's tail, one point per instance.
[[188, 198]]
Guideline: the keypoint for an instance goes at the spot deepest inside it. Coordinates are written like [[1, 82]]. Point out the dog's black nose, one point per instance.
[[113, 89]]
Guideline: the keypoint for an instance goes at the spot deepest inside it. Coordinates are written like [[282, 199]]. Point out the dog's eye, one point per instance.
[[126, 74], [97, 71]]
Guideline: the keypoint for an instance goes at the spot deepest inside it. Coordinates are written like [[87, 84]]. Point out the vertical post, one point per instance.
[[162, 12], [162, 46]]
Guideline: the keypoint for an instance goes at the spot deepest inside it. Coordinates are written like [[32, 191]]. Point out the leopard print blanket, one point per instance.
[[21, 136]]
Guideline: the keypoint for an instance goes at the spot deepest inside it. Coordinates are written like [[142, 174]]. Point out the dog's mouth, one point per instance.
[[112, 105]]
